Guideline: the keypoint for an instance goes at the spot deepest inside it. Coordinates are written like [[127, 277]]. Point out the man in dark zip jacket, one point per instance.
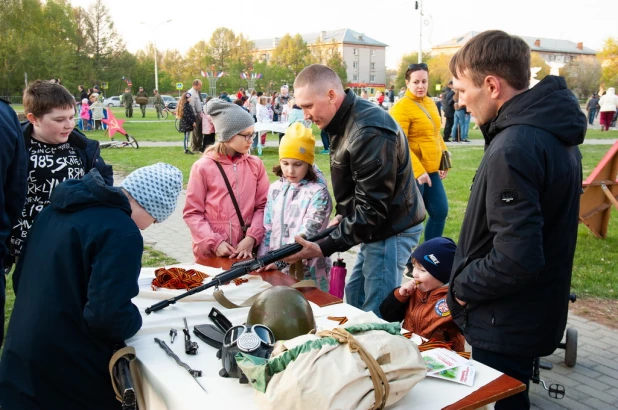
[[511, 276], [56, 152], [79, 271]]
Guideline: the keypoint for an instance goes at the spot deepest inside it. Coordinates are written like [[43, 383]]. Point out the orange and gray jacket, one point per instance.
[[424, 313]]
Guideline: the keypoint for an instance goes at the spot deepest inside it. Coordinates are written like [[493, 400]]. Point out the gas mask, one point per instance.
[[256, 340]]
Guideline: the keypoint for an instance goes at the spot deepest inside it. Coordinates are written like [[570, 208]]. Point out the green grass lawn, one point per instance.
[[163, 130], [595, 274]]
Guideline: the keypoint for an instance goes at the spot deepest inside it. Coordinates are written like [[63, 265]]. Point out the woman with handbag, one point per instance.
[[187, 117], [417, 114], [227, 189]]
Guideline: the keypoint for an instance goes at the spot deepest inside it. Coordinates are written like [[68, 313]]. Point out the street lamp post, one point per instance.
[[154, 40], [420, 36]]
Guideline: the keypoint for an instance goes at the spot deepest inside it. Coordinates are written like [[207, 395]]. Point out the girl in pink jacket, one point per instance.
[[209, 211], [84, 115], [208, 128], [298, 203]]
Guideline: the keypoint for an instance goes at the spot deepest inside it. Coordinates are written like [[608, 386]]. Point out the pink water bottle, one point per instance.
[[337, 278]]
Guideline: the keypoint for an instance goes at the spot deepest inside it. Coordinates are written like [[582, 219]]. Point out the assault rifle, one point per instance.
[[243, 268]]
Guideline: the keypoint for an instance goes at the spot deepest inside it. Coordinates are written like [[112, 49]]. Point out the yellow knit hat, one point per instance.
[[298, 143]]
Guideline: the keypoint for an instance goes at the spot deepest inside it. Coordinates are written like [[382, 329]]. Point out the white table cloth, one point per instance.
[[169, 386], [260, 127]]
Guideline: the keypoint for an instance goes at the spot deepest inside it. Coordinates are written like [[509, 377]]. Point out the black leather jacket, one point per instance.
[[372, 176]]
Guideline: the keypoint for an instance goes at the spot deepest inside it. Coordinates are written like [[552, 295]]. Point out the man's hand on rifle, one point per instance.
[[270, 266], [335, 221], [310, 250]]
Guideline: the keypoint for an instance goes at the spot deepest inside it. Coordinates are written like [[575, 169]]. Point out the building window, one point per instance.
[[355, 78], [372, 79], [355, 64], [373, 52], [355, 51], [373, 66]]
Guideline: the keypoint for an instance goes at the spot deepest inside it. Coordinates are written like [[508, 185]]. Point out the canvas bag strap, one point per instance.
[[435, 131], [425, 111], [128, 353], [229, 188], [381, 387], [228, 304]]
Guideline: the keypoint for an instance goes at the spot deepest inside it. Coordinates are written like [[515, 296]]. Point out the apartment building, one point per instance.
[[551, 50], [365, 58]]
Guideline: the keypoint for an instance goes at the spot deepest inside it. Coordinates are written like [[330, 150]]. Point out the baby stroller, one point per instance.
[[557, 391], [613, 124]]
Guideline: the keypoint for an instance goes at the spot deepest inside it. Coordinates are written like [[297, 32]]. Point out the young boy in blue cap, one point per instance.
[[421, 302], [74, 283]]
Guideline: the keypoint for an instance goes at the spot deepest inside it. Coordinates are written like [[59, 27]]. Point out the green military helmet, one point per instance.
[[284, 310]]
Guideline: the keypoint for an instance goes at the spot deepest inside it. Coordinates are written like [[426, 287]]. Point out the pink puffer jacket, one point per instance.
[[209, 211]]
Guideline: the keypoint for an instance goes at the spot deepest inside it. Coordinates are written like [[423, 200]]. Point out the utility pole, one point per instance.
[[154, 40], [420, 33]]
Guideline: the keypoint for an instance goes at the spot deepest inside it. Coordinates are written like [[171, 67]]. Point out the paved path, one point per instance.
[[591, 384]]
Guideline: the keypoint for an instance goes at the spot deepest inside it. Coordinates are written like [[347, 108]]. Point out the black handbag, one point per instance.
[[445, 161]]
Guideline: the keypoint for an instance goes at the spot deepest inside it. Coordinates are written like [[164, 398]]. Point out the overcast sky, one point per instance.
[[394, 22]]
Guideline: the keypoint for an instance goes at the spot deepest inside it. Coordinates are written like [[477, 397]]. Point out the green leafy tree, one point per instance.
[[231, 54], [173, 64], [609, 58], [336, 63], [537, 61], [583, 76], [438, 70], [104, 41], [293, 54], [38, 46], [143, 72]]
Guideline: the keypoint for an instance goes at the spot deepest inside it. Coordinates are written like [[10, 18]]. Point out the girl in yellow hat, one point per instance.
[[298, 203]]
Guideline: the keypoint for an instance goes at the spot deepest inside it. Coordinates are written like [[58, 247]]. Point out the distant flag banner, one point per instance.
[[126, 80], [204, 73], [113, 124], [220, 74]]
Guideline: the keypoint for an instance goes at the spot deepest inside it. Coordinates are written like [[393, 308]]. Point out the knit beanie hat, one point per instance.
[[229, 119], [156, 188], [436, 256], [298, 143]]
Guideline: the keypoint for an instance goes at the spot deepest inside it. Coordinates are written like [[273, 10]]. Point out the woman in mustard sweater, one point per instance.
[[418, 116]]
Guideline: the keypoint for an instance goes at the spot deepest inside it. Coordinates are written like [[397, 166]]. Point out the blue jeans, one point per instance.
[[187, 139], [379, 268], [591, 113], [462, 120], [436, 204], [325, 140]]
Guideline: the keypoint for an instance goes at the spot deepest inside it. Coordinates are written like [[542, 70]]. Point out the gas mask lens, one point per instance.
[[259, 332]]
